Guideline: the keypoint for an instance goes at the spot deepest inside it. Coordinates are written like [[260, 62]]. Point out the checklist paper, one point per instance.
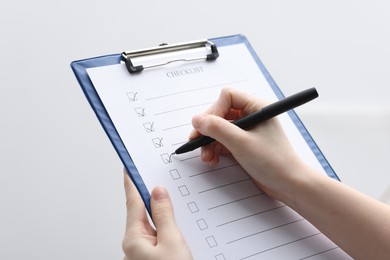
[[221, 212]]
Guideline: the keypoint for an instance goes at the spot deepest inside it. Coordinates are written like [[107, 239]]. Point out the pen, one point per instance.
[[253, 119]]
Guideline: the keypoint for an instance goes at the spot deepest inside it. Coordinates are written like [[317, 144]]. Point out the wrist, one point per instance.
[[299, 183]]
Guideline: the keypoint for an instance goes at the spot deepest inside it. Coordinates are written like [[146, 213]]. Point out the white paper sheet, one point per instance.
[[220, 211]]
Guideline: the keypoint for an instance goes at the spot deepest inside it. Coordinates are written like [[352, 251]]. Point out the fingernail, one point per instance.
[[212, 163], [159, 193], [204, 153]]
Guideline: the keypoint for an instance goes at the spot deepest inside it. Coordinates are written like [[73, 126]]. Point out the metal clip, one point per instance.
[[166, 48]]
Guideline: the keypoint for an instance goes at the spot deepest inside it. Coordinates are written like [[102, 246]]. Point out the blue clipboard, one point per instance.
[[80, 70]]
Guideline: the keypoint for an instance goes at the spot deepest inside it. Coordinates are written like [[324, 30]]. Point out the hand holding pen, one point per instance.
[[253, 119]]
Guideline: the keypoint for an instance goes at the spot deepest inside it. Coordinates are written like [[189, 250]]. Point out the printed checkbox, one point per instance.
[[175, 174], [149, 127], [132, 96], [184, 190], [211, 241], [157, 142], [202, 224], [193, 207], [220, 257], [166, 158], [140, 111]]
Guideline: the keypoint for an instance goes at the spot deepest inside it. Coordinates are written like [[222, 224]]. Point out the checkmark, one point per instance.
[[149, 127], [166, 158], [132, 96], [140, 111], [157, 142]]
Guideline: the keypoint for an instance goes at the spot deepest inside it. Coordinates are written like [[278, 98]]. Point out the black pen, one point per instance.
[[251, 120]]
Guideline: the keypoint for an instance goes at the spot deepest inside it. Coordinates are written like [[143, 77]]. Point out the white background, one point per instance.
[[61, 191]]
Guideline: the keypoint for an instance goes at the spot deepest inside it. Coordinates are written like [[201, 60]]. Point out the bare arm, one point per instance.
[[355, 222], [358, 224]]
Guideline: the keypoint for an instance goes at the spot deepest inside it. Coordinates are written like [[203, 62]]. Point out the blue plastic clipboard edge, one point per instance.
[[80, 70]]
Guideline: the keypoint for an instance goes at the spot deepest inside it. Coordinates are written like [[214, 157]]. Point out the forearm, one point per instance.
[[357, 223]]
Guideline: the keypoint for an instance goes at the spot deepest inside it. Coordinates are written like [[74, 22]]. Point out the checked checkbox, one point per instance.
[[132, 96], [167, 158], [149, 127], [157, 142], [140, 111]]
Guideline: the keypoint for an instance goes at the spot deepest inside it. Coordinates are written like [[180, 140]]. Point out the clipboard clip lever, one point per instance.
[[164, 49]]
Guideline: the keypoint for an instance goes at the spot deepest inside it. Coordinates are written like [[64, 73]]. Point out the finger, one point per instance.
[[163, 217], [206, 153], [233, 102], [194, 134], [136, 213], [231, 105], [223, 107], [220, 129], [211, 153]]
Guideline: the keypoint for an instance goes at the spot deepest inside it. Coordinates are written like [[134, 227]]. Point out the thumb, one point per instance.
[[220, 129], [163, 217]]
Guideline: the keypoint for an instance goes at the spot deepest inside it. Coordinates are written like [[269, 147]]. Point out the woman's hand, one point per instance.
[[264, 151], [141, 241]]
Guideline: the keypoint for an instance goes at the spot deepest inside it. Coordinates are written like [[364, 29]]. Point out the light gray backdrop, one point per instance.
[[61, 191]]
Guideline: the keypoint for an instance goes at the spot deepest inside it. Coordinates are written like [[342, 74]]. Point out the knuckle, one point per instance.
[[215, 125], [131, 201], [226, 91], [129, 245], [163, 211]]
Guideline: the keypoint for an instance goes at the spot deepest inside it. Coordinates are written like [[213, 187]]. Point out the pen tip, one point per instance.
[[173, 153]]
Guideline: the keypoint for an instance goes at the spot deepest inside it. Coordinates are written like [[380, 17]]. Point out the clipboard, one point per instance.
[[175, 53]]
